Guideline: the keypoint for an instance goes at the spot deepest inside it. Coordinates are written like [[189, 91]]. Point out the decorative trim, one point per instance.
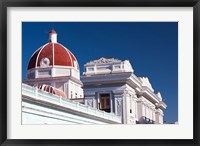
[[103, 60]]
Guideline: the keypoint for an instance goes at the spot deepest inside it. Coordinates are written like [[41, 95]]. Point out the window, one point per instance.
[[104, 102]]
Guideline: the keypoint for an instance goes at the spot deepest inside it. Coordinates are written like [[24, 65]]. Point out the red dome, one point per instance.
[[52, 54]]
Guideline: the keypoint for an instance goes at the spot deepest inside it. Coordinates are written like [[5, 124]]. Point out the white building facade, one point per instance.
[[108, 92], [112, 86], [41, 107]]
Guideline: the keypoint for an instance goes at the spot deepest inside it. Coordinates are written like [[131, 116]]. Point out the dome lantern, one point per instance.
[[53, 36]]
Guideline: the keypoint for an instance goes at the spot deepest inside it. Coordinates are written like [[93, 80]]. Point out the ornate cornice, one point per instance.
[[103, 60]]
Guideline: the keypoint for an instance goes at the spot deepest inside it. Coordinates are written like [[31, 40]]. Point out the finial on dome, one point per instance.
[[53, 36]]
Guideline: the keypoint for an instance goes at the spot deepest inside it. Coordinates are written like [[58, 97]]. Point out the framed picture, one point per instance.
[[106, 72]]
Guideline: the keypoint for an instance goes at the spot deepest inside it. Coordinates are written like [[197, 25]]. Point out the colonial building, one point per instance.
[[44, 107], [112, 86], [113, 94], [53, 64]]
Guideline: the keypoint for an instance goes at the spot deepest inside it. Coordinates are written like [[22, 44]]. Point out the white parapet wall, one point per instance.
[[39, 107]]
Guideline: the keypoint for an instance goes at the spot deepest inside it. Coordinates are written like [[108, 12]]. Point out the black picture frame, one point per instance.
[[4, 4]]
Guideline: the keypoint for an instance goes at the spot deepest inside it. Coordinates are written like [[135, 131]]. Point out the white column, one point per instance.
[[150, 113], [124, 109], [147, 111], [97, 101], [154, 119], [143, 110], [69, 89], [111, 104], [36, 73], [53, 72], [65, 89], [136, 110]]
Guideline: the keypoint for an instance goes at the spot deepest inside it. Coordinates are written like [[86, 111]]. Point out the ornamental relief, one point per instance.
[[119, 107], [44, 62], [90, 103], [103, 60]]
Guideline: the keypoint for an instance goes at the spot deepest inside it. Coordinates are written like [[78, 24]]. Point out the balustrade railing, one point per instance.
[[38, 94]]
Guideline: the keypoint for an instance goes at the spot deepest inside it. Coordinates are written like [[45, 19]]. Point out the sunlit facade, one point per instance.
[[108, 92], [112, 86]]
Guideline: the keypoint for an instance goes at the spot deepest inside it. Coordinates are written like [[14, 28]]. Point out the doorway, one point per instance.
[[104, 103]]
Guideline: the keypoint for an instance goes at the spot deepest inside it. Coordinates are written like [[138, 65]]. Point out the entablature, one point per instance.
[[161, 105]]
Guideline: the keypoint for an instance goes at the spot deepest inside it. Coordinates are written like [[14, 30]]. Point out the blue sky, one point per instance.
[[151, 47]]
